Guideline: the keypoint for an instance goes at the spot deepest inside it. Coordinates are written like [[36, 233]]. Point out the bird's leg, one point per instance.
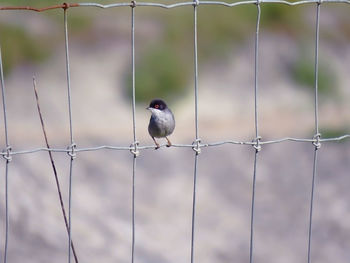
[[169, 142], [157, 144]]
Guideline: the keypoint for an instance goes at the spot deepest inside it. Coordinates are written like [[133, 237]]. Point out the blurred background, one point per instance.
[[100, 56]]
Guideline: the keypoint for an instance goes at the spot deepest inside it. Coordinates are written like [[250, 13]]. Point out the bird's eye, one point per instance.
[[156, 106]]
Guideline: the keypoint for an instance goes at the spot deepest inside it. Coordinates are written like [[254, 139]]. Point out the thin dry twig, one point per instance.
[[53, 167]]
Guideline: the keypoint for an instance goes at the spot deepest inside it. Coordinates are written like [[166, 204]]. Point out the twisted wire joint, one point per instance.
[[71, 150], [197, 146], [257, 145], [316, 140], [65, 6], [7, 153], [133, 148]]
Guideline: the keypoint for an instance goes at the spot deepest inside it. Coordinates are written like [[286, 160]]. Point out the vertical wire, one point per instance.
[[311, 205], [317, 145], [252, 210], [196, 69], [7, 220], [251, 247], [7, 216], [316, 65], [133, 210], [196, 128], [4, 100], [71, 137], [256, 69], [68, 75], [194, 206], [70, 210], [133, 69], [134, 129]]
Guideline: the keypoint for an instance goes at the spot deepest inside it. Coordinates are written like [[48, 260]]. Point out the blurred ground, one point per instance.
[[100, 62]]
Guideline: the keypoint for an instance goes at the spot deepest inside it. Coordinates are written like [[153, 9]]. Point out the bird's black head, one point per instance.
[[158, 104]]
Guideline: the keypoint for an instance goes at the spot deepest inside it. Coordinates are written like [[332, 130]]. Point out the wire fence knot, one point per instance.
[[133, 3], [7, 153], [71, 150], [258, 2], [257, 145], [195, 3], [133, 148], [316, 140], [196, 146], [65, 6]]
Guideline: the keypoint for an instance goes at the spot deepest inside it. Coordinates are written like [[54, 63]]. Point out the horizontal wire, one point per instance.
[[169, 6], [30, 8], [145, 147]]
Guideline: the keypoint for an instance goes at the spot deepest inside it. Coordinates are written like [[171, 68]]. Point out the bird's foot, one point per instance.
[[169, 142], [157, 146]]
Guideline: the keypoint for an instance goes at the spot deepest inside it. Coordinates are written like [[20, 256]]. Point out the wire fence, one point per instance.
[[197, 145]]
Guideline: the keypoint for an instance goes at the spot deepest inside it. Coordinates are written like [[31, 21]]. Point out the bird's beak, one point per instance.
[[148, 108]]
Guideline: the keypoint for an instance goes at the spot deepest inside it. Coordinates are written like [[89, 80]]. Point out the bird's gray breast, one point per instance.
[[161, 124]]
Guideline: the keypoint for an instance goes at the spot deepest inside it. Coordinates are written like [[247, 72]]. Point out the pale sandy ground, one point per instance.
[[102, 180]]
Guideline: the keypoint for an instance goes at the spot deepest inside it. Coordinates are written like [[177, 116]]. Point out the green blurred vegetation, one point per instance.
[[334, 132], [18, 47], [220, 30], [303, 72], [159, 74]]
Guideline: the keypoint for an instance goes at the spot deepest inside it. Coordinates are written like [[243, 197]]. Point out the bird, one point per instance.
[[162, 121]]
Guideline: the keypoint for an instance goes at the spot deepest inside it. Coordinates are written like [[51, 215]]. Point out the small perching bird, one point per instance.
[[162, 122]]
